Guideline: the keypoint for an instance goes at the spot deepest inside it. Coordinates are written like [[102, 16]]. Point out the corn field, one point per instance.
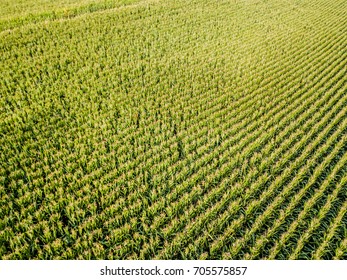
[[173, 129]]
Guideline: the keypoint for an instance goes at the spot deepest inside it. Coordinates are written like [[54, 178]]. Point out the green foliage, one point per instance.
[[152, 129]]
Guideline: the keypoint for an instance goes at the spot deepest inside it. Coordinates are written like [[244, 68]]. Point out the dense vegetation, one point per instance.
[[185, 129]]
